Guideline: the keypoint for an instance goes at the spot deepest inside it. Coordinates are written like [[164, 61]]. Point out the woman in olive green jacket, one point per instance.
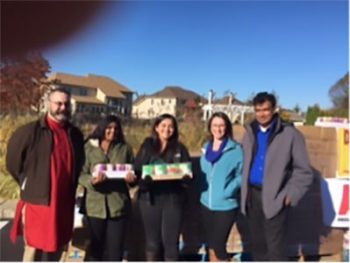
[[106, 201]]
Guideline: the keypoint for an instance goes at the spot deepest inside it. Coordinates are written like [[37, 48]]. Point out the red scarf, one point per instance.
[[49, 227]]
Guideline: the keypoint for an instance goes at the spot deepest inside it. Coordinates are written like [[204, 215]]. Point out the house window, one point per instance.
[[67, 89], [82, 92]]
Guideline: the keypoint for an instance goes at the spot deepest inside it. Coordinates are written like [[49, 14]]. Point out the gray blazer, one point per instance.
[[287, 171]]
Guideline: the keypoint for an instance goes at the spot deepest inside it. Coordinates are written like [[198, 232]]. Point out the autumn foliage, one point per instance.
[[22, 83]]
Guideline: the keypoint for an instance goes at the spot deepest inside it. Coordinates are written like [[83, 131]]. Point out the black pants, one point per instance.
[[162, 222], [267, 236], [217, 226], [106, 238]]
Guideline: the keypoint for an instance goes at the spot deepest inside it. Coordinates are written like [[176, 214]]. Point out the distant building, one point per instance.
[[93, 94], [169, 100], [234, 108], [298, 119]]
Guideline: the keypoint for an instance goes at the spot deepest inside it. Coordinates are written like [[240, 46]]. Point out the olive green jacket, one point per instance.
[[110, 198]]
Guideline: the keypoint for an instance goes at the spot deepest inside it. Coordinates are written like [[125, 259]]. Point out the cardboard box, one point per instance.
[[310, 132], [329, 133]]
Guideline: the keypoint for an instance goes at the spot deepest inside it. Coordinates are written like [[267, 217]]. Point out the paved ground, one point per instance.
[[14, 252], [8, 250]]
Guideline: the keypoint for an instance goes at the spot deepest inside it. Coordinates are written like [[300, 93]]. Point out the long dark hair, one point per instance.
[[99, 132], [228, 124], [173, 140]]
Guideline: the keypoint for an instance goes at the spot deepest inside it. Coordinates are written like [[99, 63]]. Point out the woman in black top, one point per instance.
[[161, 201]]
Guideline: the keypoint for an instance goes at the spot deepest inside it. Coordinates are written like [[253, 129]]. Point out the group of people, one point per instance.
[[262, 177]]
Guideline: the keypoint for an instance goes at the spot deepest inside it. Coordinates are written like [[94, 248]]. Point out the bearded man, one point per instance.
[[45, 158]]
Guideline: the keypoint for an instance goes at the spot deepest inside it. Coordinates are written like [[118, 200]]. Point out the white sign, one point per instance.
[[333, 122], [335, 202]]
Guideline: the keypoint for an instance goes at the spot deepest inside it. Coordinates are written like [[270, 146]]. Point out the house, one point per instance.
[[234, 108], [298, 119], [170, 100], [94, 94]]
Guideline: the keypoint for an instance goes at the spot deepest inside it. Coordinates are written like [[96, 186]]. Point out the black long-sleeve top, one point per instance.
[[148, 155]]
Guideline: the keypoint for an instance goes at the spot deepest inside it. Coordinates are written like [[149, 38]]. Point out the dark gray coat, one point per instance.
[[287, 171]]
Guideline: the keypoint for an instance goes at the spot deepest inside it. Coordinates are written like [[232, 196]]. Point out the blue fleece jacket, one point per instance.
[[219, 183]]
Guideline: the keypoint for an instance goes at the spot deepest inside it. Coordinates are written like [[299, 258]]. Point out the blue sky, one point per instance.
[[296, 48]]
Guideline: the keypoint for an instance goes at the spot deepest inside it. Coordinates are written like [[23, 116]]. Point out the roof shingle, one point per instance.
[[107, 85]]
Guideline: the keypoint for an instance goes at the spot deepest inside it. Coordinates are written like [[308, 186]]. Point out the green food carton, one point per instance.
[[147, 170], [186, 168]]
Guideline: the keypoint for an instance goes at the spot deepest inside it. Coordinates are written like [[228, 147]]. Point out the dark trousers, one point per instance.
[[217, 226], [106, 238], [162, 222], [267, 236]]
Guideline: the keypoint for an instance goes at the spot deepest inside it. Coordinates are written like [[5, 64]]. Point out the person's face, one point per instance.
[[59, 107], [218, 128], [111, 131], [165, 129], [264, 113]]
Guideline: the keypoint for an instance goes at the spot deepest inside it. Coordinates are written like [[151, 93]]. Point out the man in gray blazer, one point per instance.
[[276, 175]]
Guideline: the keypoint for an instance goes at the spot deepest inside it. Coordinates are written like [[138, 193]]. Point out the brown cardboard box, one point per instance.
[[328, 133], [321, 146], [326, 164], [310, 132]]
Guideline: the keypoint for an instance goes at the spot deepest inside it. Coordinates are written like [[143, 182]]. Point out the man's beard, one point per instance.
[[61, 116]]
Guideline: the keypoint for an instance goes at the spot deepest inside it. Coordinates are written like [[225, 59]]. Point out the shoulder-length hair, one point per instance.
[[228, 124], [99, 132], [173, 140]]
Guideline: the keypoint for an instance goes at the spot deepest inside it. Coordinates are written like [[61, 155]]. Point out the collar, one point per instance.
[[270, 127], [43, 122]]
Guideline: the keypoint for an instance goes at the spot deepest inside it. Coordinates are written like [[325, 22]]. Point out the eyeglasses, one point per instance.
[[60, 103]]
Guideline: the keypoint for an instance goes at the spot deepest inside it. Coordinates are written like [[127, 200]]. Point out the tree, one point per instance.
[[297, 108], [250, 98], [23, 83], [278, 104], [312, 114], [339, 93]]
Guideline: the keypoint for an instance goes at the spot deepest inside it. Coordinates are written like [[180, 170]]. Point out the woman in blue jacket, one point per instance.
[[221, 166]]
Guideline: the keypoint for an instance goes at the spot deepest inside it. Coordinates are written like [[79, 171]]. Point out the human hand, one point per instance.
[[186, 181], [130, 177], [146, 183], [101, 177], [287, 201]]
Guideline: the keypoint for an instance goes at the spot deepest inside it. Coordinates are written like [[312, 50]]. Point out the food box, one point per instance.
[[172, 171], [113, 171]]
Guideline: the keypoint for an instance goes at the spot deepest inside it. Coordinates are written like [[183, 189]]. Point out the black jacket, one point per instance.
[[148, 155], [28, 159]]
